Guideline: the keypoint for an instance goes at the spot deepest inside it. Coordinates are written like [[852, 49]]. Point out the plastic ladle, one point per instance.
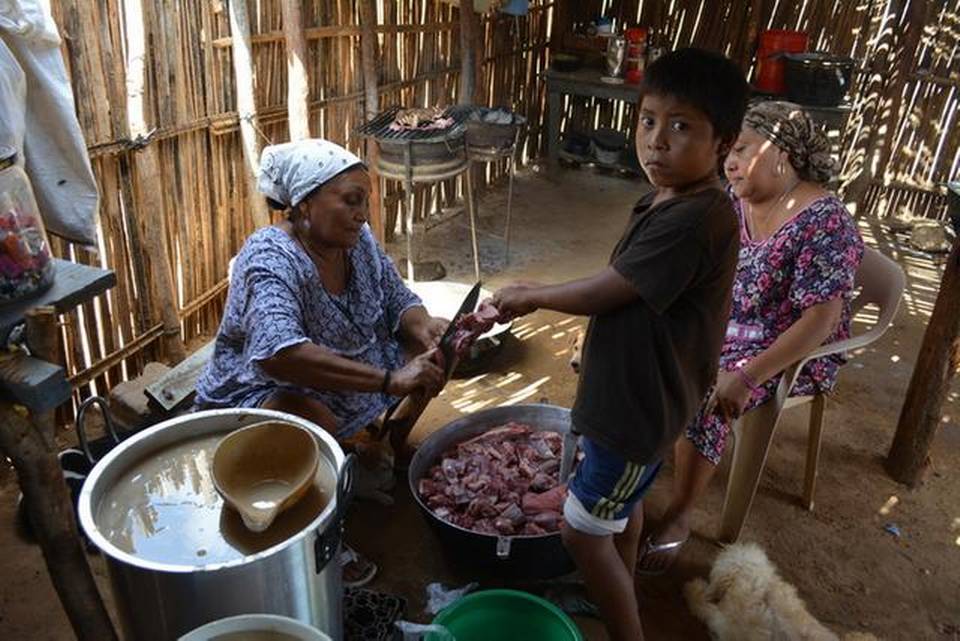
[[262, 469]]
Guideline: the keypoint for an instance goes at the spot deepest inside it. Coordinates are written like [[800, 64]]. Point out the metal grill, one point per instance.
[[379, 127], [423, 156]]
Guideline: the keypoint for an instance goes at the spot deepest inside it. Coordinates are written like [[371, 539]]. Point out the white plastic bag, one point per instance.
[[417, 631], [52, 143], [439, 597], [13, 101]]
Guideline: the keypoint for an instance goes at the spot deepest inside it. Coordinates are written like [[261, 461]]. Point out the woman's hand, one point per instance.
[[421, 330], [730, 396], [515, 300], [424, 372], [426, 335]]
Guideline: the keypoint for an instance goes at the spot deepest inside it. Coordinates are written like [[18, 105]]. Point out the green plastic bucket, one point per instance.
[[506, 615]]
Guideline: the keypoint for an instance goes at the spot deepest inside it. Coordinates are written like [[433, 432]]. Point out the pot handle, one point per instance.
[[81, 425], [328, 542], [503, 547]]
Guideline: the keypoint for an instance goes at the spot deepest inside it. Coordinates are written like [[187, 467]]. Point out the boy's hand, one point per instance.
[[730, 396], [515, 300]]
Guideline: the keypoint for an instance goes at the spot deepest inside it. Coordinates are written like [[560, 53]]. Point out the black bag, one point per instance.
[[77, 463]]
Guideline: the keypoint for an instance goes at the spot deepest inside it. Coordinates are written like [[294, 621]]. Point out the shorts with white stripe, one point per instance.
[[605, 489]]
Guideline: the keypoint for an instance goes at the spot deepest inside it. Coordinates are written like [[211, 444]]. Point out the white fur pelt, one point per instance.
[[746, 600]]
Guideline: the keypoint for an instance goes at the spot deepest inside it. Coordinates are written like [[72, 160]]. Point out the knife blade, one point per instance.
[[446, 341], [446, 348]]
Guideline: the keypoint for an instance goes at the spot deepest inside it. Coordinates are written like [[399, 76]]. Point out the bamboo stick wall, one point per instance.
[[190, 106], [925, 151], [190, 103]]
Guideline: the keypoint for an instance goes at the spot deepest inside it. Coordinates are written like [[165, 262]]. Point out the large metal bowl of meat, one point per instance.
[[472, 507]]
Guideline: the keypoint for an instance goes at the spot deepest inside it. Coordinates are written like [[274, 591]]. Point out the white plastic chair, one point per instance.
[[881, 282]]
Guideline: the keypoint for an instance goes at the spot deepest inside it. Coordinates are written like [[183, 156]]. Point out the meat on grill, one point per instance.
[[421, 118], [504, 481]]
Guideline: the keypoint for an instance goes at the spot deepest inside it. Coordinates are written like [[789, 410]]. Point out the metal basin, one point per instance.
[[519, 557], [195, 577]]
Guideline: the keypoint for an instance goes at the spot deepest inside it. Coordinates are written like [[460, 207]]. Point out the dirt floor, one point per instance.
[[852, 572]]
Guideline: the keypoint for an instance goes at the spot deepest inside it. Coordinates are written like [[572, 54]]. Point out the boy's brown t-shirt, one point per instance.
[[647, 366]]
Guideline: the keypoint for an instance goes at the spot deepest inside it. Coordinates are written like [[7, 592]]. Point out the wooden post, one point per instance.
[[371, 92], [146, 169], [936, 366], [247, 109], [31, 447], [753, 32], [298, 91], [50, 510], [468, 52]]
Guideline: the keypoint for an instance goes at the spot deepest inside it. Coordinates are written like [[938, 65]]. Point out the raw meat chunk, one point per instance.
[[504, 481]]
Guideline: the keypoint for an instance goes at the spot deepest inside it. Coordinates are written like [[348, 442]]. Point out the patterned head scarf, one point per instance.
[[290, 171], [788, 126]]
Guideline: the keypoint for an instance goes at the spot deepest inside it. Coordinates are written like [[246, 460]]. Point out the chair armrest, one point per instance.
[[791, 373], [848, 344]]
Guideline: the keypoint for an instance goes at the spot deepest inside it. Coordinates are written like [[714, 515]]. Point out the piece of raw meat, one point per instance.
[[549, 501], [504, 481], [473, 325]]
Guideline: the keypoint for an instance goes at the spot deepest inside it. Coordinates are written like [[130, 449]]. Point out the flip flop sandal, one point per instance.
[[648, 548], [361, 568]]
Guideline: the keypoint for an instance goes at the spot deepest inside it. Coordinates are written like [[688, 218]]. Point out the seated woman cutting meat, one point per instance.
[[317, 320], [799, 254]]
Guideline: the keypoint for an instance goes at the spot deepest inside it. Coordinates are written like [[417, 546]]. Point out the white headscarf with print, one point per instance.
[[291, 170]]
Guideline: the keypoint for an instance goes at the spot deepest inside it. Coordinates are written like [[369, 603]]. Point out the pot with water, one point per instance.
[[178, 558]]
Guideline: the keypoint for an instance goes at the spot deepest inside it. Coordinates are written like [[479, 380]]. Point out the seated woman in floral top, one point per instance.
[[799, 254]]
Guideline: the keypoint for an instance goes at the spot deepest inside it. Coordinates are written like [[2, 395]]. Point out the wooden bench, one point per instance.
[[173, 390]]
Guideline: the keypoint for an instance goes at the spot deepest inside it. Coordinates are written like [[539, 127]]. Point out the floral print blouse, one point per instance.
[[813, 258]]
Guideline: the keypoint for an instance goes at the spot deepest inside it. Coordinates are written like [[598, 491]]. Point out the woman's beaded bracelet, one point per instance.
[[387, 374], [747, 379]]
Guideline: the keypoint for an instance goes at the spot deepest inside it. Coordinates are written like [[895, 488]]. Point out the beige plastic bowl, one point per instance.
[[262, 469], [256, 627]]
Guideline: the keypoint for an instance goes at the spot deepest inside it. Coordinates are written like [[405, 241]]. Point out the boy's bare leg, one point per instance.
[[609, 583], [628, 541]]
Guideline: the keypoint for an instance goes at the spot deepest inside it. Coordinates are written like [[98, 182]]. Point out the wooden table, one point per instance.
[[585, 82], [38, 383]]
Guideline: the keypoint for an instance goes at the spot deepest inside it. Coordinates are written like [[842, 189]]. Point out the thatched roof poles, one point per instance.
[[469, 31], [150, 218], [247, 108], [371, 93], [298, 91]]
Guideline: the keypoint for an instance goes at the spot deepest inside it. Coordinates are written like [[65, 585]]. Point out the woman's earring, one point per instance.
[[780, 168]]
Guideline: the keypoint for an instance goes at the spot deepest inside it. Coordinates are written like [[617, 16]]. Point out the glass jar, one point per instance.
[[26, 267]]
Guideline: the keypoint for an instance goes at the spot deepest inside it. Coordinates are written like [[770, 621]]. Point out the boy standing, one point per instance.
[[658, 317]]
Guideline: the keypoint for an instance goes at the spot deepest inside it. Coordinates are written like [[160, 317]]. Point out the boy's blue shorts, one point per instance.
[[605, 489]]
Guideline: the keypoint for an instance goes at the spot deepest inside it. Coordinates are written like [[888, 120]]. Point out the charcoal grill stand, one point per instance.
[[490, 155], [409, 179], [429, 168]]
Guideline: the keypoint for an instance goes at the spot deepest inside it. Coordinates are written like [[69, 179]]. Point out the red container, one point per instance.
[[769, 77], [636, 53]]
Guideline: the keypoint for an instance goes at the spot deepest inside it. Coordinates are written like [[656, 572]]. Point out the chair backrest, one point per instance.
[[881, 282]]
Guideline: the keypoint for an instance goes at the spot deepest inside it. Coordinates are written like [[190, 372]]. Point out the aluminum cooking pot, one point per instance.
[[177, 559], [521, 556]]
